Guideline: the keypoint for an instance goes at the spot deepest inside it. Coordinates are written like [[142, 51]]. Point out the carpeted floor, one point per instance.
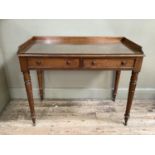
[[78, 117]]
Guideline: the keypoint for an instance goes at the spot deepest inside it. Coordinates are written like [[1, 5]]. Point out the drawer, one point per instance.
[[109, 63], [53, 63]]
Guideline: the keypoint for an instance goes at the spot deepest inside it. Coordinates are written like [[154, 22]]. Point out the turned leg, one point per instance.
[[117, 77], [131, 92], [40, 83], [28, 86]]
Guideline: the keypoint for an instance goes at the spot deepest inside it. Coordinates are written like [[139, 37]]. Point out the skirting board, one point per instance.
[[82, 93]]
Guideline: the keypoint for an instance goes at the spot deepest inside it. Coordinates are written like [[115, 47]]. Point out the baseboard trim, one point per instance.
[[73, 93]]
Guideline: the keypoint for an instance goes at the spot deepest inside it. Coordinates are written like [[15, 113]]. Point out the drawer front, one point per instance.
[[109, 63], [53, 63]]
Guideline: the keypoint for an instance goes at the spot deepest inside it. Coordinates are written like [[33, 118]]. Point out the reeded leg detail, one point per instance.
[[40, 83], [117, 77], [28, 86], [131, 92]]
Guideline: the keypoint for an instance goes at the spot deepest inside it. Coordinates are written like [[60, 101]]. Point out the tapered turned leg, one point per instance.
[[117, 77], [40, 83], [131, 92], [28, 86]]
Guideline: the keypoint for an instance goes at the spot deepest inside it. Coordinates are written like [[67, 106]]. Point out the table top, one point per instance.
[[79, 46]]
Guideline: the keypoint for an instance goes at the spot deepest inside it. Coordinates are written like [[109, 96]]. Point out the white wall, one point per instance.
[[79, 84], [4, 93]]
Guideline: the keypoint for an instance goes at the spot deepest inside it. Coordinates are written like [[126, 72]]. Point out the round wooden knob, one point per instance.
[[68, 62], [93, 62], [38, 62], [123, 63]]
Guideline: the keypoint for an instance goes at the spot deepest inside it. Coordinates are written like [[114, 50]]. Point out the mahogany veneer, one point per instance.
[[80, 53]]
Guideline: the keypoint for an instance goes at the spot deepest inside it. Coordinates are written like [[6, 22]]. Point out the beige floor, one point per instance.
[[78, 117]]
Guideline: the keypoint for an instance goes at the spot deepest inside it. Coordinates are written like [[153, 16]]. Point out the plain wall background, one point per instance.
[[4, 91], [79, 84]]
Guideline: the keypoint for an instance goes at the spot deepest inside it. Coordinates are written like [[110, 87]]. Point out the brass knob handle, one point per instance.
[[93, 62], [38, 62], [123, 63], [68, 62]]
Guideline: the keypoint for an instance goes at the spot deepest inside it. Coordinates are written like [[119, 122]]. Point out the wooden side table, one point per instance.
[[80, 53]]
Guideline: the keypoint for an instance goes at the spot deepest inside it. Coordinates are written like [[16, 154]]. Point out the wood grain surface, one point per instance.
[[66, 117]]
